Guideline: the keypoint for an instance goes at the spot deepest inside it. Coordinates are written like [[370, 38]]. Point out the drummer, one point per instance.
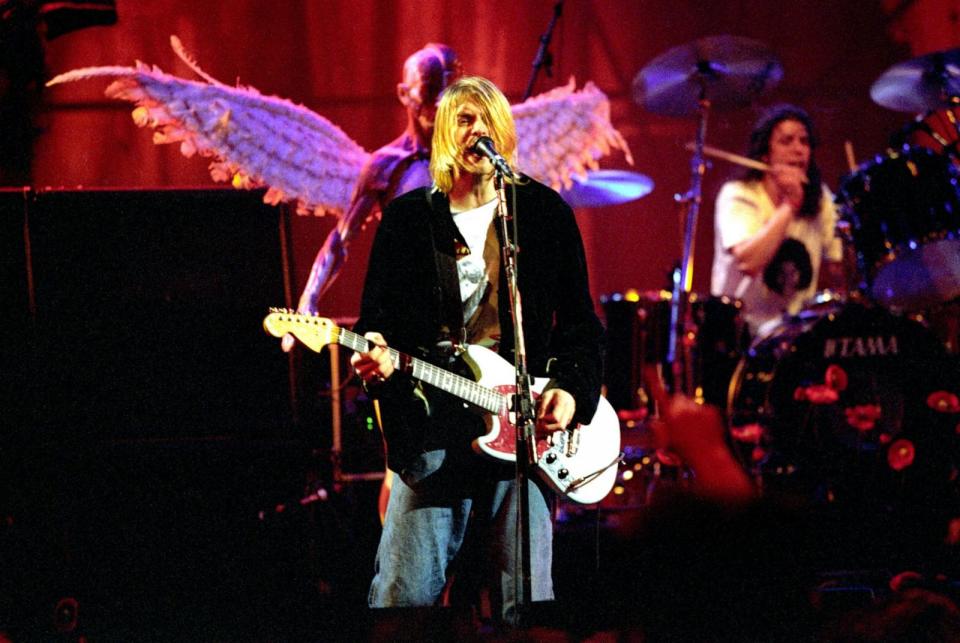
[[775, 229]]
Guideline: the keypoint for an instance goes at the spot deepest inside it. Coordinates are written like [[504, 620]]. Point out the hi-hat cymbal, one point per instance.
[[729, 71], [606, 187], [920, 85]]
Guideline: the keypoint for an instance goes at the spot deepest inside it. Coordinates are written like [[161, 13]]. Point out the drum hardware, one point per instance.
[[903, 211], [924, 84], [729, 71], [900, 211], [716, 72], [599, 188], [938, 130]]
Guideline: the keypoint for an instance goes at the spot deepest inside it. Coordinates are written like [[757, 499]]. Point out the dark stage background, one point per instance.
[[153, 431]]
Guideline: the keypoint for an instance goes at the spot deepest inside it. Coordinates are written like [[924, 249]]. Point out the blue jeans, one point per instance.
[[427, 524]]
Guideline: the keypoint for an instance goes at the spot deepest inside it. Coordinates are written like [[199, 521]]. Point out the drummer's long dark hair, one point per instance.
[[760, 147]]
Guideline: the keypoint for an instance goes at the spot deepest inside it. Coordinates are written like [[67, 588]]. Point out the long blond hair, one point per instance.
[[494, 109]]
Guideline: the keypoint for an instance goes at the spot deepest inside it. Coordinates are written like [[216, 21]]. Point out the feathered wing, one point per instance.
[[255, 140], [258, 140], [563, 132]]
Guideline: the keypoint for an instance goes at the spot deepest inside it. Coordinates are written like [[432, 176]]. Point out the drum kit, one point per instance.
[[855, 401]]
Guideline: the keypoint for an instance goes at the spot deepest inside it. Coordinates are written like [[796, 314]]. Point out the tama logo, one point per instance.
[[860, 346]]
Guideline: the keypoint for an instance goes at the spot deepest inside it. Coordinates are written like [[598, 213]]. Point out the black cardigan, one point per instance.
[[404, 300]]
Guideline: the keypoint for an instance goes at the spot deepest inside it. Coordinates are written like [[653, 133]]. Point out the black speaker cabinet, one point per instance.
[[145, 310], [15, 318]]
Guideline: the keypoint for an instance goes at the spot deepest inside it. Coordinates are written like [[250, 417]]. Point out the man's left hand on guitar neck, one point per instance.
[[373, 366]]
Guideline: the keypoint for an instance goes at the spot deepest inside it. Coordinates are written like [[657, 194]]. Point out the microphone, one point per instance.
[[484, 147]]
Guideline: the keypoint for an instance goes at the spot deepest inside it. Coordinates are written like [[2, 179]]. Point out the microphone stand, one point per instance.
[[526, 450], [680, 320], [543, 58]]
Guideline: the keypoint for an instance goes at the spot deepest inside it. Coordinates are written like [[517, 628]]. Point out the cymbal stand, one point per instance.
[[680, 367], [544, 58]]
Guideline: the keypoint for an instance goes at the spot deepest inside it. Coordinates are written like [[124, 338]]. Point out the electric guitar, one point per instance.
[[580, 462]]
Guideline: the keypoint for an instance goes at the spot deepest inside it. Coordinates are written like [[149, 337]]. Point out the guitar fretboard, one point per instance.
[[462, 387]]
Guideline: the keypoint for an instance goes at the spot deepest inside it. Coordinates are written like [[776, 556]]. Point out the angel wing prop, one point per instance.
[[563, 132], [257, 140]]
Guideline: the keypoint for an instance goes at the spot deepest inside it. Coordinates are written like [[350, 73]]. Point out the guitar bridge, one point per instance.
[[573, 441]]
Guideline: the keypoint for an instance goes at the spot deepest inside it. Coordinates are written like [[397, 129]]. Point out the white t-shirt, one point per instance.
[[478, 267], [743, 207]]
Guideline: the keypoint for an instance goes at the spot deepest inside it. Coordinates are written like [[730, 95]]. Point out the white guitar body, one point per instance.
[[585, 476]]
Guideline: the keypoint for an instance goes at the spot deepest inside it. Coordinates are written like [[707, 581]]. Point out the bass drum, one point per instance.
[[856, 408]]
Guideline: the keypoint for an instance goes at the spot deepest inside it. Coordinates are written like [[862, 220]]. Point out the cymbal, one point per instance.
[[923, 84], [729, 71], [606, 187]]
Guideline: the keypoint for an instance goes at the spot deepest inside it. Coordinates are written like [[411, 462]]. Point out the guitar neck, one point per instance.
[[457, 385]]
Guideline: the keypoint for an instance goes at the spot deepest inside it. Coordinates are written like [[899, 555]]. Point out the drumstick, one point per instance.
[[851, 159], [736, 159]]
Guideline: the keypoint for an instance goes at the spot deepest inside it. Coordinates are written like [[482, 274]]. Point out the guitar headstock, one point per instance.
[[315, 332]]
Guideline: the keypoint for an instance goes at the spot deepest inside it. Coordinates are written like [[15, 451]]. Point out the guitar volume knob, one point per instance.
[[551, 458], [562, 473]]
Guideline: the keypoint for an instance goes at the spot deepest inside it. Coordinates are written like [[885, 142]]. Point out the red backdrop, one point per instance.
[[343, 60]]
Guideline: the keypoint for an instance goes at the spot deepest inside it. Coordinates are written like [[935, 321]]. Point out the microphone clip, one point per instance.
[[484, 146]]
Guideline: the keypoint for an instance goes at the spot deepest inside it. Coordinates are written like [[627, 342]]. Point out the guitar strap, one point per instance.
[[443, 232]]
